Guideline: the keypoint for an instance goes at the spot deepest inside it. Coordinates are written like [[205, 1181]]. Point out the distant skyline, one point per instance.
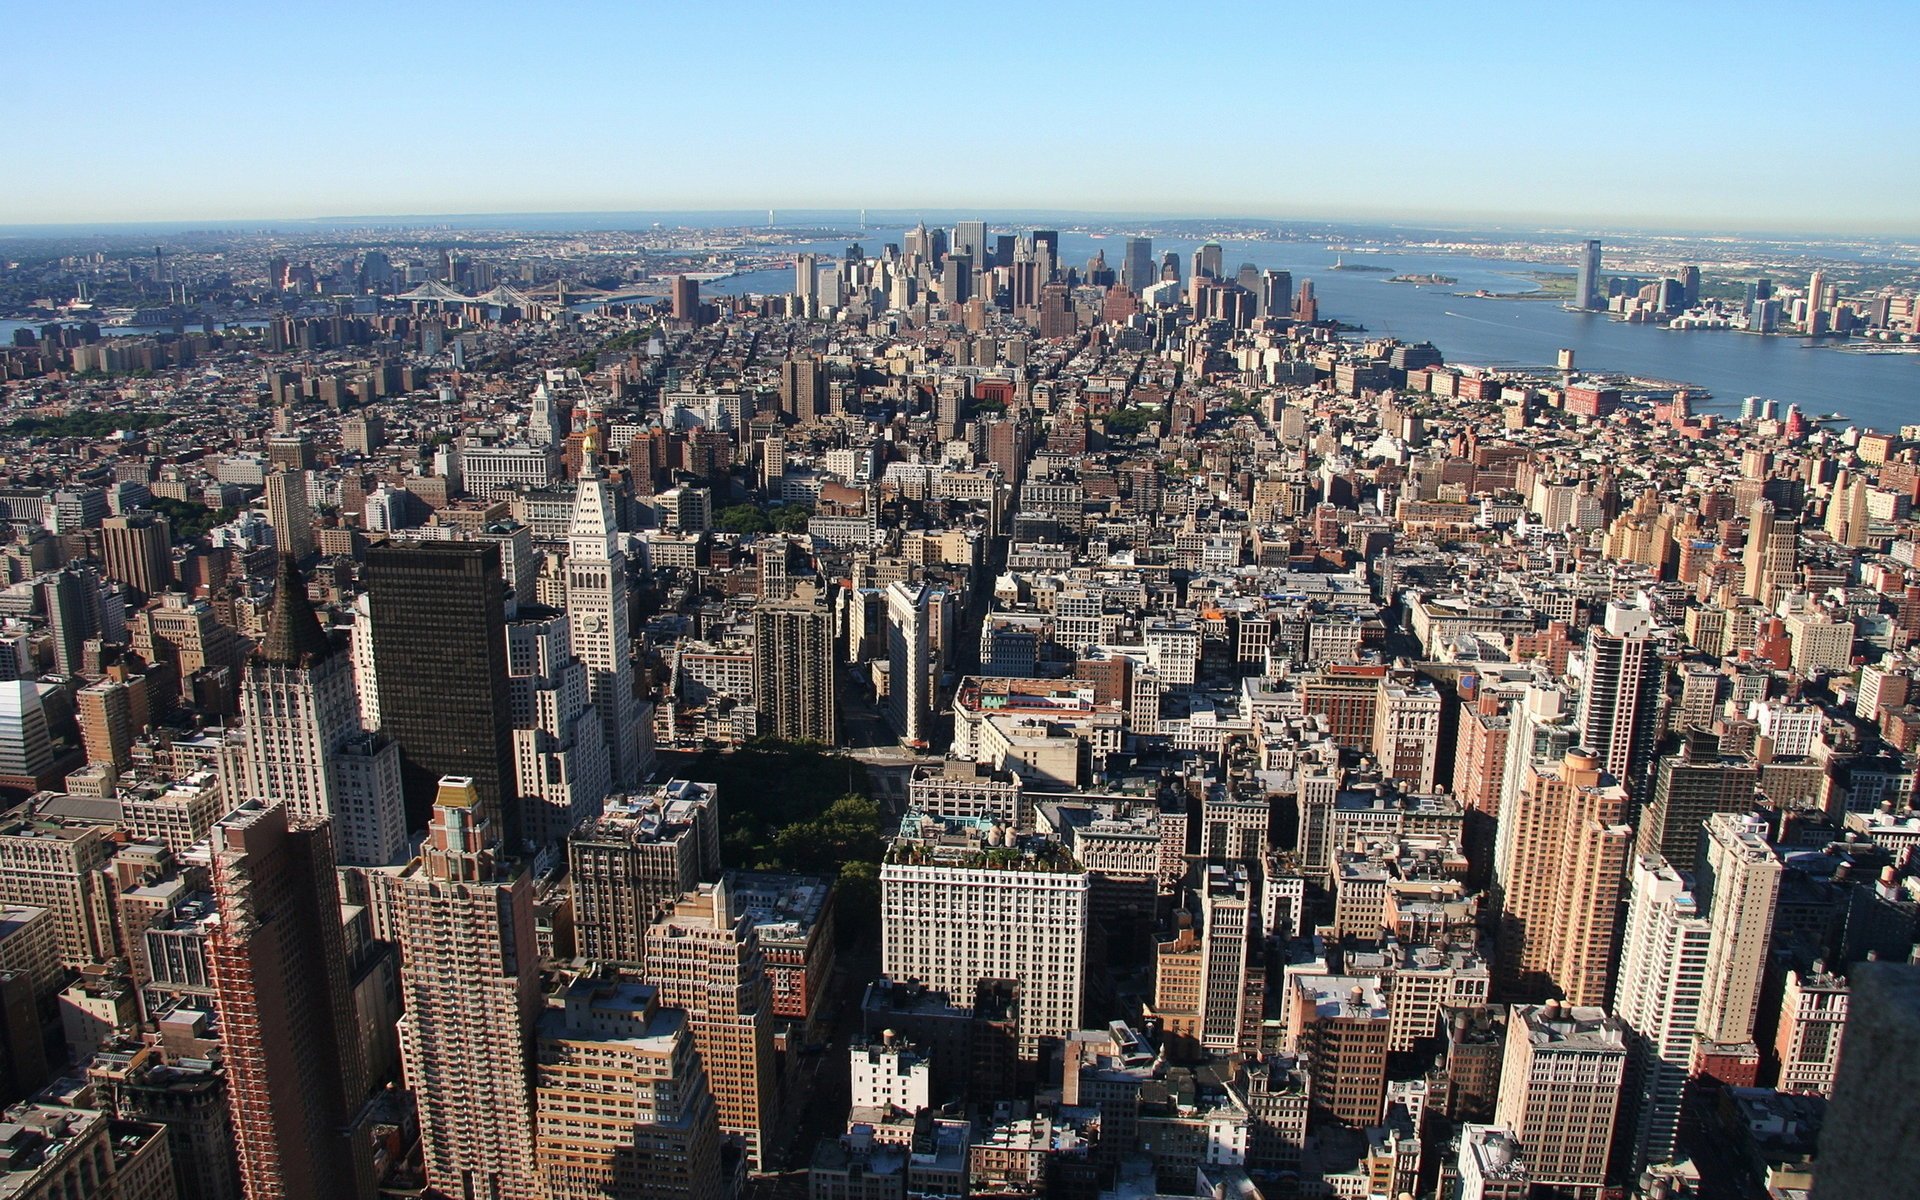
[[1635, 115]]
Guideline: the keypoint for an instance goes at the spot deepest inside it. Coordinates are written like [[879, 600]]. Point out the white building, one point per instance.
[[962, 901]]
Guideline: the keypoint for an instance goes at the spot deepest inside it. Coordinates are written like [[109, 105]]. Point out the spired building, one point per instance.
[[438, 611], [304, 745], [470, 980], [602, 633]]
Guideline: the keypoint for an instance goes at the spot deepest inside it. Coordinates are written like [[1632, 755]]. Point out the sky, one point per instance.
[[1695, 116]]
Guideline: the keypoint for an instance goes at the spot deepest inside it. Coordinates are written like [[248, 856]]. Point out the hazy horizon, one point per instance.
[[1636, 116]]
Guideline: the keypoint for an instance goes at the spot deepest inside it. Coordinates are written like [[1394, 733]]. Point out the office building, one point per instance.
[[289, 514], [559, 748], [602, 632], [633, 861], [1341, 1025], [439, 637], [59, 864], [1739, 888], [910, 673], [470, 986], [621, 1099], [963, 901], [705, 960], [1689, 787], [1137, 270], [803, 389], [295, 1073], [794, 671], [1813, 1015], [301, 711], [1560, 1090], [137, 549], [1588, 287], [1771, 556]]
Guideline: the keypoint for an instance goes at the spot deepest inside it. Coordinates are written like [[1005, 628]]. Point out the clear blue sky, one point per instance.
[[1691, 115]]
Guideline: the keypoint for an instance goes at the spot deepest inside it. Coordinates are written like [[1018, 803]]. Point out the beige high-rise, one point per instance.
[[706, 959], [1560, 1087], [623, 1106], [1564, 867], [470, 981]]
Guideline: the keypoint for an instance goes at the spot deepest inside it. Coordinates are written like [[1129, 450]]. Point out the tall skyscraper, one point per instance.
[[1771, 556], [1560, 1090], [622, 1102], [438, 613], [1658, 999], [706, 959], [1276, 294], [289, 513], [470, 984], [1586, 284], [137, 550], [910, 662], [1561, 881], [803, 388], [793, 667], [970, 239], [1619, 704], [301, 712], [1229, 929], [1739, 888], [1689, 787], [1137, 272], [288, 1033], [602, 635], [1207, 261]]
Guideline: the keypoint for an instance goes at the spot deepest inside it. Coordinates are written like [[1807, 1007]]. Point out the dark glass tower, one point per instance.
[[440, 662]]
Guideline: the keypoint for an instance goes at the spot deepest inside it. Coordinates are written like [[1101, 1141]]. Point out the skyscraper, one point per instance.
[[1561, 877], [289, 513], [300, 710], [970, 239], [634, 860], [623, 1106], [559, 749], [1739, 888], [288, 1034], [705, 958], [137, 550], [1137, 272], [602, 636], [1619, 704], [1207, 261], [1771, 556], [1658, 1000], [793, 669], [439, 636], [470, 983], [1688, 787], [803, 388], [1586, 285], [910, 662], [954, 914]]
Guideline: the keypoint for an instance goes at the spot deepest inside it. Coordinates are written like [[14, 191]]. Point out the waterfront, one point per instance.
[[1877, 390]]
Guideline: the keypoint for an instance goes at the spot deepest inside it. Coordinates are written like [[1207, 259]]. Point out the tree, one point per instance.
[[742, 518], [792, 518]]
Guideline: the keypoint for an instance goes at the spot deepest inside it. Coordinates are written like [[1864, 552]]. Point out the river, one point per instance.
[[1877, 390]]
